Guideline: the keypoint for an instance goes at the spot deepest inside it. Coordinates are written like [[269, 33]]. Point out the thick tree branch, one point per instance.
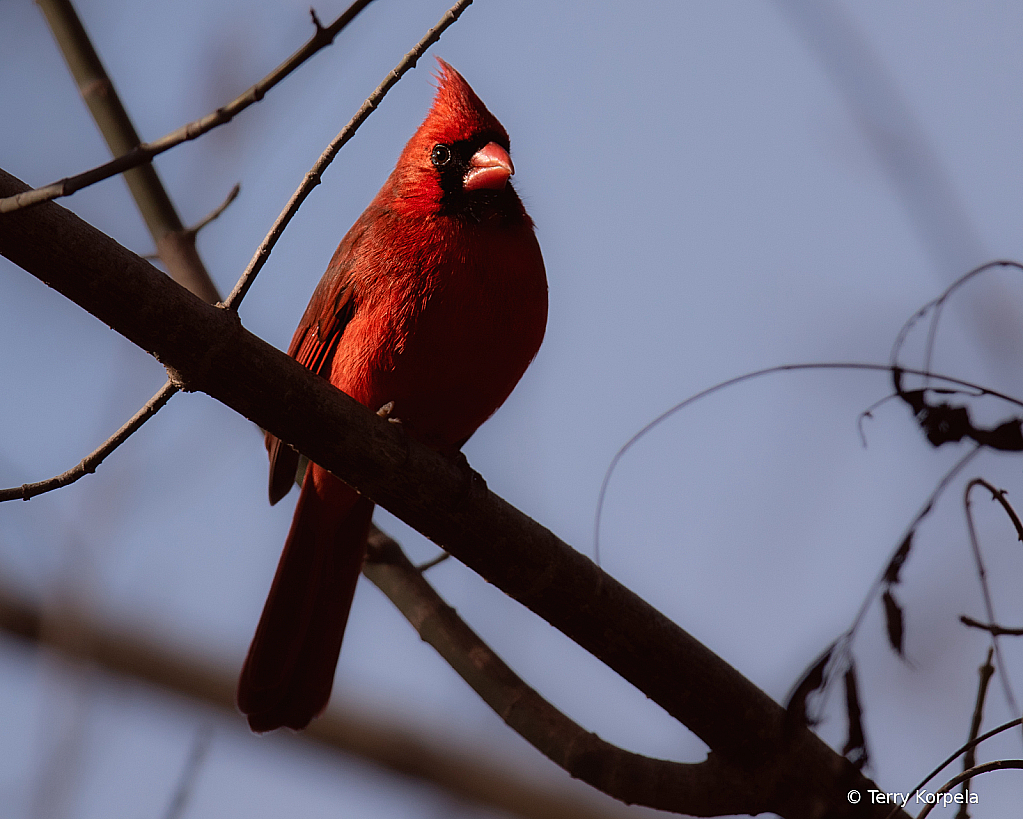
[[207, 349]]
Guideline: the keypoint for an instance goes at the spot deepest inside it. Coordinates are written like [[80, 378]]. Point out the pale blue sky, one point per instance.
[[717, 187]]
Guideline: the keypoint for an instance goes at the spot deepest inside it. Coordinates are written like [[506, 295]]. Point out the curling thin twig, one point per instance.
[[739, 379], [989, 606], [997, 765], [1005, 726]]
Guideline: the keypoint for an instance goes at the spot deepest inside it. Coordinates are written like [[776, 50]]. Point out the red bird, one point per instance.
[[432, 307]]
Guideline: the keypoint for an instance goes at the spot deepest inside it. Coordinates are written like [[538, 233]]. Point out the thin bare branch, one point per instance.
[[312, 178], [1005, 726], [985, 672], [998, 495], [89, 464], [215, 214], [429, 564], [176, 243], [781, 368], [197, 756], [997, 765], [989, 605], [990, 627], [145, 152], [935, 306]]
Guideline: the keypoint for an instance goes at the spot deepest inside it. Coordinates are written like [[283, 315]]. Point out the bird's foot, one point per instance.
[[387, 413]]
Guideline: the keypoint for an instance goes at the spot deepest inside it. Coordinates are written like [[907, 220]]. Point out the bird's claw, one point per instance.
[[385, 413]]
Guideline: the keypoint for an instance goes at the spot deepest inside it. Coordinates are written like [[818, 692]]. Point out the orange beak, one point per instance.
[[489, 168]]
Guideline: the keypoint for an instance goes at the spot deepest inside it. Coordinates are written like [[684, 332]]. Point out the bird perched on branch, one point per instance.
[[430, 310]]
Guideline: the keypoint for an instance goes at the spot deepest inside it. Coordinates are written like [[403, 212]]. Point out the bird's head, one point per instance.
[[458, 163]]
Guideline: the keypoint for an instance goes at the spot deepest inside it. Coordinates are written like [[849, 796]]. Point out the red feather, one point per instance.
[[435, 300]]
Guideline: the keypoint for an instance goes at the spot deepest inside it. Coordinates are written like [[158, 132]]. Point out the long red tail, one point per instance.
[[289, 670]]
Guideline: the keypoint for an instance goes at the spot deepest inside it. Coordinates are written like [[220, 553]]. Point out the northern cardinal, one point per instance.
[[430, 311]]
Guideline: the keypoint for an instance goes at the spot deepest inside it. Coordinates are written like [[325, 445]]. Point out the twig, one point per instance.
[[925, 510], [989, 606], [1005, 726], [936, 304], [998, 495], [739, 379], [176, 243], [869, 413], [842, 646], [145, 152], [190, 773], [88, 464], [970, 757], [312, 178], [990, 627], [215, 213], [429, 564], [997, 765]]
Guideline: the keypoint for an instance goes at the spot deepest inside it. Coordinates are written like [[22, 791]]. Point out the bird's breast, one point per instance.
[[448, 333]]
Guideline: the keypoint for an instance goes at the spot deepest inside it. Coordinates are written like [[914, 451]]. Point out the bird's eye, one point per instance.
[[441, 155]]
